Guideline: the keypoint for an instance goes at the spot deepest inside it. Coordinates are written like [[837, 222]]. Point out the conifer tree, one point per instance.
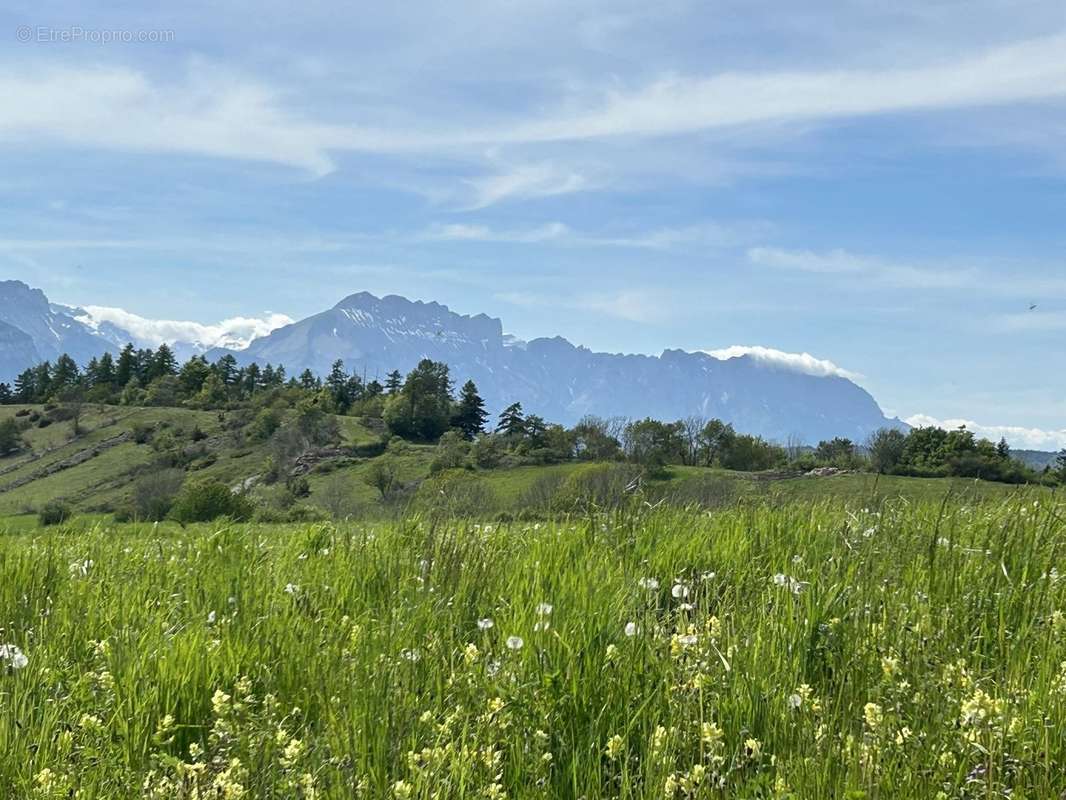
[[470, 414]]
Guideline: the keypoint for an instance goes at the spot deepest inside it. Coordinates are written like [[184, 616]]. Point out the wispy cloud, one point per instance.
[[633, 305], [1020, 72], [1017, 436], [796, 362], [704, 235], [841, 262], [545, 179]]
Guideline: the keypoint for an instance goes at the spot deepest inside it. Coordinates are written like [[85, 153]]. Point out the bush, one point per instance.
[[142, 432], [205, 500], [55, 512], [22, 412], [154, 493]]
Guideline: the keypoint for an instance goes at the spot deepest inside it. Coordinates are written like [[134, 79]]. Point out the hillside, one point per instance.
[[96, 470]]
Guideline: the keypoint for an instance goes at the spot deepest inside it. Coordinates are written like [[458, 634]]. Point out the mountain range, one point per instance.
[[551, 377]]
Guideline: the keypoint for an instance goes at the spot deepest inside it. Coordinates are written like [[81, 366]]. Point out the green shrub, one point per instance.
[[55, 512], [208, 499]]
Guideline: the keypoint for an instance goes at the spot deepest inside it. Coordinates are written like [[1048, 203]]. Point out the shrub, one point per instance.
[[54, 512], [208, 499], [22, 412], [154, 493]]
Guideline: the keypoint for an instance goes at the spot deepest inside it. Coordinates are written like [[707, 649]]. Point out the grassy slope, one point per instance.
[[105, 480]]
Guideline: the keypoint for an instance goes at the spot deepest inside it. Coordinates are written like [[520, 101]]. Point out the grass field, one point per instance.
[[796, 649]]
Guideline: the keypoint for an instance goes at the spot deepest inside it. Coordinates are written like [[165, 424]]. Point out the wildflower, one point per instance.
[[515, 642], [753, 748], [688, 640], [485, 623], [402, 790], [903, 735], [711, 734], [544, 609], [631, 629], [795, 701], [679, 591], [788, 582], [15, 657], [614, 747], [471, 653], [211, 617], [873, 715], [219, 702], [611, 654], [291, 588], [651, 584]]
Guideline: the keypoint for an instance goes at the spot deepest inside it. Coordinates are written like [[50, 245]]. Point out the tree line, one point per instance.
[[424, 407]]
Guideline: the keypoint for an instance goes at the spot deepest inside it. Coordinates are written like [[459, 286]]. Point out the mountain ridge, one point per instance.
[[551, 376]]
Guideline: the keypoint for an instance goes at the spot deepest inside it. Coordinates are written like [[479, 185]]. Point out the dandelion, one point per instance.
[[485, 623], [631, 629], [679, 591], [651, 584], [515, 642], [788, 582], [211, 617], [544, 609], [795, 701], [291, 588], [15, 658]]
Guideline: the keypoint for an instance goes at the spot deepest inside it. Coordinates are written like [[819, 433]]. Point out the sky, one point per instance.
[[879, 186]]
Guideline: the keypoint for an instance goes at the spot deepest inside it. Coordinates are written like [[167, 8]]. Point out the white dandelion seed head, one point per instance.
[[679, 591], [688, 640], [651, 584], [795, 701], [211, 617], [631, 629], [515, 642], [13, 656], [485, 623], [291, 588], [544, 609]]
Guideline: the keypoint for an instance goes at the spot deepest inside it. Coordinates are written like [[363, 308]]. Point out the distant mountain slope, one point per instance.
[[1037, 459], [563, 382], [35, 330]]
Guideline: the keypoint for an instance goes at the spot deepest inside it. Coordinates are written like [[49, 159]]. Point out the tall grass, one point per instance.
[[804, 651]]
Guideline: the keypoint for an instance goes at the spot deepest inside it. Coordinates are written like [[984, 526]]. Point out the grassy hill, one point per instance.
[[95, 470]]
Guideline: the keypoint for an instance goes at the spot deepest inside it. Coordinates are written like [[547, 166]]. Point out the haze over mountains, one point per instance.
[[778, 399]]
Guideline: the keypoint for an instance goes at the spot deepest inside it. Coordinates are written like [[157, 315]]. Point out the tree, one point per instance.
[[422, 409], [1060, 464], [470, 414], [162, 363], [886, 448], [752, 454], [511, 422], [126, 368], [337, 386], [393, 381], [154, 493], [835, 451], [1003, 450], [593, 440], [6, 395], [716, 439], [65, 376], [73, 400], [193, 375], [382, 475], [11, 441], [453, 452]]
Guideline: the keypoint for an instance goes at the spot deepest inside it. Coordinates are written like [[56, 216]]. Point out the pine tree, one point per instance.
[[127, 366], [6, 396], [1003, 449], [393, 381], [470, 414], [337, 386], [25, 386], [66, 375], [511, 421], [308, 381], [162, 363]]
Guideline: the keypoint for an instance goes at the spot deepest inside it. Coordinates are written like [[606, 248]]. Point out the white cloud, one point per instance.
[[459, 232], [524, 181], [1024, 71], [236, 332], [634, 305], [842, 262], [796, 362], [1017, 436]]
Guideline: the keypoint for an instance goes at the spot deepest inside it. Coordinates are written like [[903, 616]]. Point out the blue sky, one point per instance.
[[880, 185]]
